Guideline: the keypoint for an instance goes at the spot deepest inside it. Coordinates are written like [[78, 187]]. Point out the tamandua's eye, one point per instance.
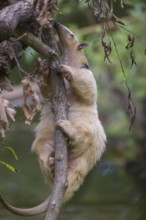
[[72, 35], [85, 66]]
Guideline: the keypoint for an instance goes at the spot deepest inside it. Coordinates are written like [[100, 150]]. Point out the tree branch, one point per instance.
[[60, 109], [12, 15], [34, 42]]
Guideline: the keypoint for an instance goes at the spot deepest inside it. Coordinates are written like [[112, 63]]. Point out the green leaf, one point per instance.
[[8, 166], [13, 152]]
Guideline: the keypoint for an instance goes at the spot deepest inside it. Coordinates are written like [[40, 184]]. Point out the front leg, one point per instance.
[[82, 82], [78, 136], [66, 71]]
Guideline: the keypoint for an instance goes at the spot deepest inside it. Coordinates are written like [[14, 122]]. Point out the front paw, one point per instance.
[[66, 71]]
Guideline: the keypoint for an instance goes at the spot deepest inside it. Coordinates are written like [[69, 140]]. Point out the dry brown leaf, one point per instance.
[[29, 94], [6, 113]]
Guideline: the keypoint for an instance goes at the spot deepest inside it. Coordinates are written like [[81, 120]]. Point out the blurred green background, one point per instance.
[[115, 189]]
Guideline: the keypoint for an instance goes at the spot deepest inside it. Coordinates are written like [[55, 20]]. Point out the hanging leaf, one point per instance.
[[13, 152], [10, 167]]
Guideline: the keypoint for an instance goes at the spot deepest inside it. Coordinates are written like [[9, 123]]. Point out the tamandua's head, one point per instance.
[[72, 49]]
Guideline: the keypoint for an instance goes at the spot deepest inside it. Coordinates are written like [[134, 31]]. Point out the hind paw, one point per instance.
[[65, 126], [51, 161]]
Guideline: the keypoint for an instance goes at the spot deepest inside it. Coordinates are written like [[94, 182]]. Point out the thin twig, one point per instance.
[[131, 106]]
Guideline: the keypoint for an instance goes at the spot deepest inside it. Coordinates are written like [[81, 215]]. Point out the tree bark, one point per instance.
[[13, 15], [60, 109]]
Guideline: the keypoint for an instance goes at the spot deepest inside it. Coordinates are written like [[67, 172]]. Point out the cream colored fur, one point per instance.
[[85, 134]]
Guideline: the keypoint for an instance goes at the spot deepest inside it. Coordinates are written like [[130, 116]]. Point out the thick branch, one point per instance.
[[60, 108], [12, 15]]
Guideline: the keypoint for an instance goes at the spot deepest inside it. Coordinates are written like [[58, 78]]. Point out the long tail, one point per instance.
[[37, 210]]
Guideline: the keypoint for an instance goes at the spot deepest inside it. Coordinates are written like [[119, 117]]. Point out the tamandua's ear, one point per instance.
[[82, 46]]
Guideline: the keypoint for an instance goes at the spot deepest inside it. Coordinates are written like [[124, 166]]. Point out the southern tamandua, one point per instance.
[[85, 134]]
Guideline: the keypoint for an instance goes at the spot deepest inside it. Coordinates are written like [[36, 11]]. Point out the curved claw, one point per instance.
[[36, 210]]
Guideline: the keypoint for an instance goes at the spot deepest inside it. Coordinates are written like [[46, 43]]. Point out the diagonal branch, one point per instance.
[[34, 42]]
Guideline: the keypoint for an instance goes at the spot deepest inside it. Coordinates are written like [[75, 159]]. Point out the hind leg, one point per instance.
[[78, 135], [67, 128], [47, 161]]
